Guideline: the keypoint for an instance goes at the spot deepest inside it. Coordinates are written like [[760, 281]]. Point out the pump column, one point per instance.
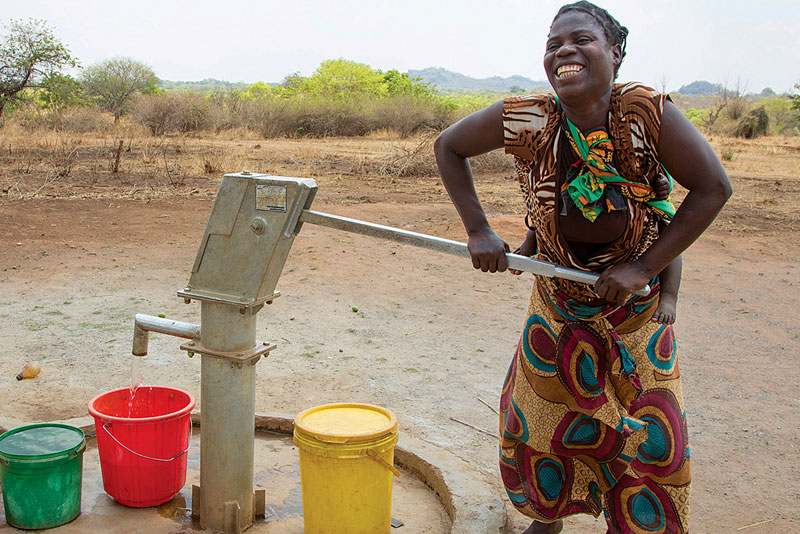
[[227, 392]]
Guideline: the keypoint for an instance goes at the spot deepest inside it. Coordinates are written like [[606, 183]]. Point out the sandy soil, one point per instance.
[[431, 338]]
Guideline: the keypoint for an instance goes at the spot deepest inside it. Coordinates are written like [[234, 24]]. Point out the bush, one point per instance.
[[307, 116], [75, 119], [174, 112], [753, 125], [81, 120]]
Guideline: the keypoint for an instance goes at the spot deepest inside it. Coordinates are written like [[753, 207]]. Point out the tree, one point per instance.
[[796, 98], [114, 81], [59, 91], [259, 91], [28, 54], [292, 85], [401, 84], [342, 78]]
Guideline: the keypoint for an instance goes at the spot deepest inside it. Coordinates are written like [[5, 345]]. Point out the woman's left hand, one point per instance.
[[618, 283]]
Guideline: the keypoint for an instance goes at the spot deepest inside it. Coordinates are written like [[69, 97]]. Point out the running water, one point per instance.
[[137, 378]]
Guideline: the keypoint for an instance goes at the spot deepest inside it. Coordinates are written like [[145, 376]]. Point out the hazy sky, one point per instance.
[[677, 40]]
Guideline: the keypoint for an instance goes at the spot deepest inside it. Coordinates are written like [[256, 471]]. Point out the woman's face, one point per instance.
[[578, 58]]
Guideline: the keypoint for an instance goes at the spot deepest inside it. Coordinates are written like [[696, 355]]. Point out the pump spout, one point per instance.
[[143, 324]]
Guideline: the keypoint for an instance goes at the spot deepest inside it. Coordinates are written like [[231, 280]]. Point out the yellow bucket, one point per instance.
[[346, 467]]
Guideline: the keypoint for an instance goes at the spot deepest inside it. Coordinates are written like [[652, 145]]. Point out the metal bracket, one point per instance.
[[259, 503], [188, 295], [241, 356], [196, 504], [233, 518]]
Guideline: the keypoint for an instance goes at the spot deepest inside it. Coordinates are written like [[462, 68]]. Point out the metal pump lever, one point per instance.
[[456, 248]]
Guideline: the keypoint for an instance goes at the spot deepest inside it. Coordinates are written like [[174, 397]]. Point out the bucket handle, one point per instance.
[[142, 455], [375, 456]]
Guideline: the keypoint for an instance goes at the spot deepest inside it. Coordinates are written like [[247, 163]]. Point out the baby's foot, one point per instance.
[[665, 313]]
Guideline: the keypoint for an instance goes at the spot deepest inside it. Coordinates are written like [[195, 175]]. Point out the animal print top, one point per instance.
[[533, 134]]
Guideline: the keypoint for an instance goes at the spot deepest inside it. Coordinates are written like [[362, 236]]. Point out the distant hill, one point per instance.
[[700, 87], [209, 84], [446, 80]]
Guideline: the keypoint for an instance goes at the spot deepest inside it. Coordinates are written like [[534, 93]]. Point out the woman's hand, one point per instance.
[[487, 250], [527, 248], [618, 283]]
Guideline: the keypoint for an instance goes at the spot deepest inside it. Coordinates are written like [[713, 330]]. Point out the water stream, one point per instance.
[[137, 378]]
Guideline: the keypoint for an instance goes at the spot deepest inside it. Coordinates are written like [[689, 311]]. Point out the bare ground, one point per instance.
[[431, 336]]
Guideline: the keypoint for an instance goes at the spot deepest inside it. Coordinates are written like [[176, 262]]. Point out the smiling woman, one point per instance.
[[592, 413]]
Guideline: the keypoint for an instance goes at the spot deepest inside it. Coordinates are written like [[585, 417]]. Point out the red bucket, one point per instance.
[[143, 443]]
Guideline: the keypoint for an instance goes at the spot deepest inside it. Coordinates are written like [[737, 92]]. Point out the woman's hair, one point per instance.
[[616, 33]]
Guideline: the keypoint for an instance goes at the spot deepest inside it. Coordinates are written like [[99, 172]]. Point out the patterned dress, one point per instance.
[[592, 414]]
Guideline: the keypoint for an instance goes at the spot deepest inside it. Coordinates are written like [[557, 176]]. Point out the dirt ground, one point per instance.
[[431, 339]]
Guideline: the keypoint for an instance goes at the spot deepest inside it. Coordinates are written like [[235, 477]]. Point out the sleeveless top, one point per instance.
[[533, 135]]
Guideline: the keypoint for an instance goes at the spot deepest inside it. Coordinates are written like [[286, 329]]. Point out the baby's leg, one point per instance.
[[670, 283]]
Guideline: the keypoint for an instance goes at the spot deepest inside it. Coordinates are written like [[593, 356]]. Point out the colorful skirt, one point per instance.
[[592, 416]]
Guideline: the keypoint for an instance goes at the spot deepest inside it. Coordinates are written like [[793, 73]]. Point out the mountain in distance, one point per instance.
[[700, 87], [449, 81]]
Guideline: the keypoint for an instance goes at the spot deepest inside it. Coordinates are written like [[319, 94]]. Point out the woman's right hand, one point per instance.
[[487, 250]]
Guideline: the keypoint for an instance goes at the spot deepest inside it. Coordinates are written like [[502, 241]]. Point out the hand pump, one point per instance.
[[251, 229]]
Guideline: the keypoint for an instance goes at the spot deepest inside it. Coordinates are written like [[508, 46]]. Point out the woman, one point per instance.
[[592, 414]]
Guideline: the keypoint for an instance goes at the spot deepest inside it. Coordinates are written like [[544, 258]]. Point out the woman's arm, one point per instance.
[[692, 163], [478, 133]]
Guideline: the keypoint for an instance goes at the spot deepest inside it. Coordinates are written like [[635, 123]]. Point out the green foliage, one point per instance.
[[698, 117], [29, 53], [781, 116], [400, 83], [59, 91], [796, 98], [342, 78], [114, 81], [292, 85], [259, 91]]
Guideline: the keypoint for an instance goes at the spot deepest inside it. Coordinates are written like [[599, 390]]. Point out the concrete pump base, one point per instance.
[[438, 493]]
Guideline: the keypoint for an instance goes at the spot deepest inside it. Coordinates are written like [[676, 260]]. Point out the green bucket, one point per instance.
[[41, 467]]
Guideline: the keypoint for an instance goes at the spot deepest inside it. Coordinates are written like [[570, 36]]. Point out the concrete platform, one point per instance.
[[437, 494]]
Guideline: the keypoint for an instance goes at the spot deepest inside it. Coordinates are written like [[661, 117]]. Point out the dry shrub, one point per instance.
[[219, 160], [75, 120], [238, 133], [60, 154], [419, 160], [409, 115], [190, 112], [154, 112], [13, 134], [415, 161], [175, 112], [736, 107], [324, 117], [496, 160]]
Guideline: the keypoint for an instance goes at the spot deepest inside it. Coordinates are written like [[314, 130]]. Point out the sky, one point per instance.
[[752, 45]]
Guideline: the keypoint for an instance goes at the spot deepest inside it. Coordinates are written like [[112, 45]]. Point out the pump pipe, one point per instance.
[[143, 324]]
